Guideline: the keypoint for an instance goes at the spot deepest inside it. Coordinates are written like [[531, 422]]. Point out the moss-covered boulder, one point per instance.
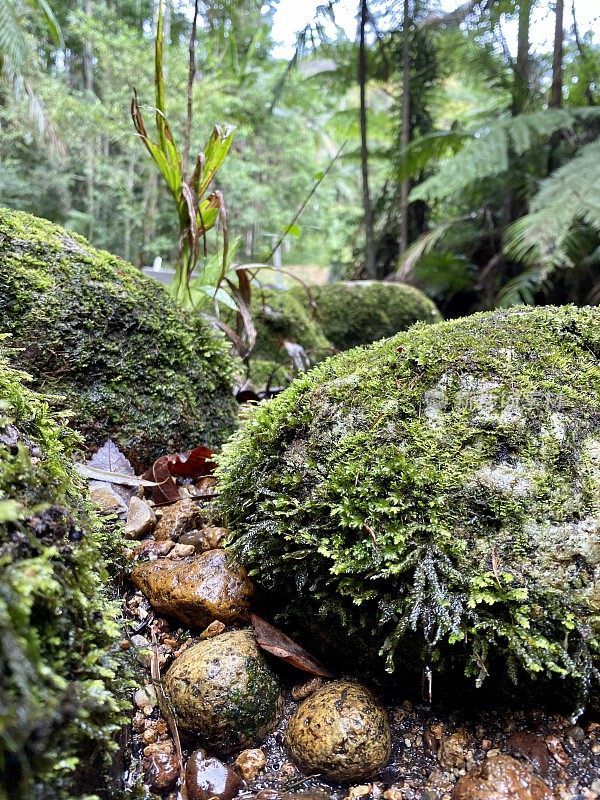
[[288, 340], [130, 364], [435, 495], [58, 687], [353, 313]]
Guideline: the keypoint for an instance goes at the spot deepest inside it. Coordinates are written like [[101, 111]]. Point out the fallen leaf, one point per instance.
[[104, 476], [278, 644], [111, 459], [196, 463]]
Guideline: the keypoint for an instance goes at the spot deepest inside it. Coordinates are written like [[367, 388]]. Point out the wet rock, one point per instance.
[[178, 518], [141, 519], [208, 777], [501, 778], [162, 770], [145, 697], [453, 750], [152, 550], [208, 538], [182, 551], [532, 747], [250, 763], [107, 500], [341, 731], [577, 733], [214, 629], [357, 792], [195, 590], [303, 690], [310, 794], [223, 689], [557, 750]]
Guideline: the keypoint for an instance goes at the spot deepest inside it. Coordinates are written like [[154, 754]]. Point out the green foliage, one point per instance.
[[288, 340], [434, 496], [568, 198], [353, 313], [129, 363], [197, 211], [63, 686], [486, 154]]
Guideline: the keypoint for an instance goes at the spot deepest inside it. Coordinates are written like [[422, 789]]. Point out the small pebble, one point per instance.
[[303, 690], [139, 641], [145, 697], [149, 736], [359, 791], [393, 794], [214, 629], [577, 734], [182, 551], [250, 763], [268, 794], [162, 770], [159, 747]]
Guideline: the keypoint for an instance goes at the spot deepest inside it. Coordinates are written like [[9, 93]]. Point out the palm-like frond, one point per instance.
[[487, 153], [542, 238], [423, 245], [14, 45], [17, 48], [429, 148]]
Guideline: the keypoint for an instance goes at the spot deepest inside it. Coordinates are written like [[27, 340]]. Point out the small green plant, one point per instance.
[[198, 276]]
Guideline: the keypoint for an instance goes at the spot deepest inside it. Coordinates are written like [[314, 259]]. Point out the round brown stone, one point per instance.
[[341, 731], [223, 689]]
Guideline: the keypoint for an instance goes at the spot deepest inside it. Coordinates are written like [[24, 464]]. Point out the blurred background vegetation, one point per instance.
[[471, 166]]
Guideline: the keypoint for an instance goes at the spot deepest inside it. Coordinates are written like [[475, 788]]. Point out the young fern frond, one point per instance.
[[486, 153]]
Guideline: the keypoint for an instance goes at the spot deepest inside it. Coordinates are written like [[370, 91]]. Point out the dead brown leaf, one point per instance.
[[278, 644]]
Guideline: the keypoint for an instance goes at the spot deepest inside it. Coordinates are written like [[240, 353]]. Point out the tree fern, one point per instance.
[[486, 153], [17, 47], [541, 239]]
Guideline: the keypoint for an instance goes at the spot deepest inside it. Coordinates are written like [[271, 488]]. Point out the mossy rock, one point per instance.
[[223, 690], [353, 313], [288, 340], [436, 496], [59, 710], [130, 364]]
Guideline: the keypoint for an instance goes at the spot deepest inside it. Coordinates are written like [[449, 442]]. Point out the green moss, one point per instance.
[[436, 495], [130, 364], [282, 324], [59, 710], [269, 374], [353, 313]]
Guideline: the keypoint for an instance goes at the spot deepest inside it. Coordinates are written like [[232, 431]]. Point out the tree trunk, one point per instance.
[[555, 99], [520, 94], [364, 151], [405, 132], [88, 85], [583, 55]]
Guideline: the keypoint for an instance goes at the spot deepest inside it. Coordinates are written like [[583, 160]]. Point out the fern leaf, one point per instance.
[[486, 153], [424, 244], [569, 195]]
